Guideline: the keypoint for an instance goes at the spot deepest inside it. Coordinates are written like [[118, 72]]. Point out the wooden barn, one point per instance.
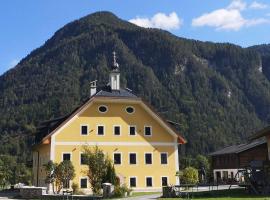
[[228, 161], [264, 133]]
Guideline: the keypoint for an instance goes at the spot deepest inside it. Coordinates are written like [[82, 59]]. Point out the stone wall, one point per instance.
[[32, 192]]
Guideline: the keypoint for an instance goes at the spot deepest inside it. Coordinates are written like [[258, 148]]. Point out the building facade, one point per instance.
[[227, 162], [142, 145]]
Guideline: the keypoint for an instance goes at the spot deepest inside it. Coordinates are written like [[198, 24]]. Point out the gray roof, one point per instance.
[[107, 92], [235, 149], [261, 133]]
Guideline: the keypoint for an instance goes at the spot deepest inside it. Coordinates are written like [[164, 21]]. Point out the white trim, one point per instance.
[[168, 183], [70, 153], [84, 177], [176, 157], [116, 143], [81, 129], [145, 126], [130, 107], [120, 158], [103, 129], [129, 130], [120, 129], [167, 158], [136, 180], [136, 158], [52, 148], [146, 181], [152, 159], [105, 107]]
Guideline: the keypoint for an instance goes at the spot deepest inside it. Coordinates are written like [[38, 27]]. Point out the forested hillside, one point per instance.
[[219, 93]]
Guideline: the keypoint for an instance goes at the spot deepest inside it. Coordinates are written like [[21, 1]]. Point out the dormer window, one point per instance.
[[103, 109]]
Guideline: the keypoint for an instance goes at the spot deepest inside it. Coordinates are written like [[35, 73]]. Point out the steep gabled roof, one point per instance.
[[47, 128], [261, 133], [235, 149]]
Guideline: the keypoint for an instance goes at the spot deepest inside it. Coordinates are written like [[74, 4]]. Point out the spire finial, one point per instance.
[[115, 66]]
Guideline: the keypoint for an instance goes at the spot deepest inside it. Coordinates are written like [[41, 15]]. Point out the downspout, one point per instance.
[[37, 167]]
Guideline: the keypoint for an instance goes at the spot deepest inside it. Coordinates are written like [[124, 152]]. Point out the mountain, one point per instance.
[[219, 93]]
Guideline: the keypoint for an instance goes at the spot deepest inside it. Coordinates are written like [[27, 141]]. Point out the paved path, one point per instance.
[[144, 197]]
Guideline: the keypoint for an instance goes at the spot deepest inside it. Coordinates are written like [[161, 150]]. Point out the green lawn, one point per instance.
[[236, 194]]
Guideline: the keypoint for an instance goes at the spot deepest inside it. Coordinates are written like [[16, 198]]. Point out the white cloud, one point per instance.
[[237, 4], [257, 5], [253, 22], [221, 19], [229, 18], [159, 20]]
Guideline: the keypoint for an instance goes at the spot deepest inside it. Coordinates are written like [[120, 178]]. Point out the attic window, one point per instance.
[[102, 109], [130, 110]]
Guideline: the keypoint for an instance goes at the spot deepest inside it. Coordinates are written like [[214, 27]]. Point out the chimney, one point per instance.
[[93, 87]]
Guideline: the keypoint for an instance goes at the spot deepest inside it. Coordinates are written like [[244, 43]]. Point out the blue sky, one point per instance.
[[26, 25]]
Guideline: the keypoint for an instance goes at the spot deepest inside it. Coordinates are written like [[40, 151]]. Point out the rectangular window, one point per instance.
[[147, 130], [132, 158], [84, 130], [164, 158], [83, 182], [117, 158], [83, 159], [117, 130], [149, 182], [132, 182], [164, 181], [148, 158], [66, 156], [132, 130], [100, 130]]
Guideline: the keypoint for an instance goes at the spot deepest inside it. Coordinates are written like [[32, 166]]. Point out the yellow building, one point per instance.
[[143, 146]]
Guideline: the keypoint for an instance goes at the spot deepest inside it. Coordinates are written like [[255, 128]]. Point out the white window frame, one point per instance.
[[151, 158], [130, 107], [66, 153], [81, 125], [152, 181], [104, 129], [105, 107], [84, 177], [167, 158], [151, 131], [81, 159], [136, 179], [120, 129], [136, 158], [129, 130], [121, 158], [167, 180]]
